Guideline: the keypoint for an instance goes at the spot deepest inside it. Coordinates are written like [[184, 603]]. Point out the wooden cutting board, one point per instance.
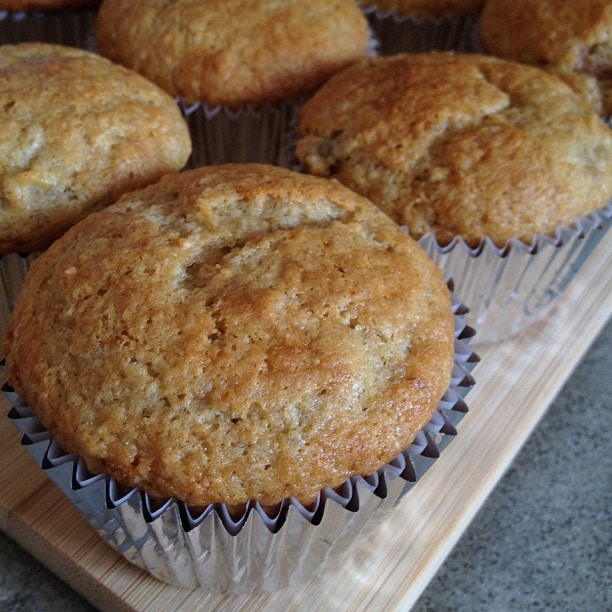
[[390, 569]]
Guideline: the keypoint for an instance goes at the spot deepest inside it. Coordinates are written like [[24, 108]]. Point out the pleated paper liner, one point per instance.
[[74, 28], [221, 135], [259, 549], [245, 135], [13, 268], [509, 288], [413, 34]]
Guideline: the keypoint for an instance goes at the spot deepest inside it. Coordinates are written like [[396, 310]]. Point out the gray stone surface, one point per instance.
[[26, 585], [540, 542]]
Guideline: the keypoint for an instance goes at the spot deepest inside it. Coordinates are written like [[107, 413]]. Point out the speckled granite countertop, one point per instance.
[[540, 542]]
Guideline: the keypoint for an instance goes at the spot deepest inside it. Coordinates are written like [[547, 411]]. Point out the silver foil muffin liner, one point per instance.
[[509, 288], [13, 268], [412, 34], [258, 550], [74, 28], [220, 135]]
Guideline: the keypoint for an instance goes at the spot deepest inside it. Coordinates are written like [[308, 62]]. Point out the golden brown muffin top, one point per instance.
[[460, 145], [77, 132], [233, 333], [571, 35], [45, 5], [429, 8], [233, 52]]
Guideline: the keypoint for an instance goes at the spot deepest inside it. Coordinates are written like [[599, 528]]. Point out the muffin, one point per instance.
[[77, 132], [236, 335], [574, 37], [254, 316], [409, 26], [224, 57], [238, 52], [467, 148], [61, 22]]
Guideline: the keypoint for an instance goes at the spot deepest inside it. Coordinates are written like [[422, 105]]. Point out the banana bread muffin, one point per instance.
[[460, 145], [234, 333], [233, 52], [570, 35], [77, 132]]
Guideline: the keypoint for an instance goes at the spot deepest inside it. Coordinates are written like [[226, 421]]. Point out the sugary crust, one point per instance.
[[234, 333], [569, 35], [462, 145], [233, 52], [93, 131], [429, 8], [45, 5]]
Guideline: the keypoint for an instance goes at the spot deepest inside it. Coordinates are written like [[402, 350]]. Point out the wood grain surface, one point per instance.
[[516, 382]]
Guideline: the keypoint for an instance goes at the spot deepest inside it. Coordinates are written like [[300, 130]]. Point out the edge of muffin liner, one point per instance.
[[213, 548], [411, 33], [246, 134], [73, 28], [509, 288]]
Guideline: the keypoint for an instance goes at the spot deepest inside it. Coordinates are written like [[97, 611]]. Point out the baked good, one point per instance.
[[430, 8], [565, 34], [460, 145], [233, 333], [226, 551], [233, 52], [585, 86], [92, 131], [45, 5]]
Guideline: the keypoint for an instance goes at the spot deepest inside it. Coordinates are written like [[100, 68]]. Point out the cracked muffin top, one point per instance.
[[233, 52], [565, 34], [77, 132], [460, 145], [234, 333]]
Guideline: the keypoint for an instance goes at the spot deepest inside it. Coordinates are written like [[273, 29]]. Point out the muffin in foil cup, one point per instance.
[[399, 33], [246, 121], [13, 268], [222, 135], [256, 548], [509, 288], [74, 28]]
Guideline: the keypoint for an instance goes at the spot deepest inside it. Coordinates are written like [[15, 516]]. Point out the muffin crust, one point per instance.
[[233, 333], [564, 34], [460, 145], [92, 131], [233, 52]]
